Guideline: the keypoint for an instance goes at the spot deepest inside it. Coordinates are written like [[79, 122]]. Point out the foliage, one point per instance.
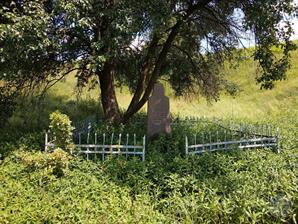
[[82, 195], [184, 42], [54, 163], [269, 16], [257, 186], [11, 140], [7, 104], [61, 130], [236, 187]]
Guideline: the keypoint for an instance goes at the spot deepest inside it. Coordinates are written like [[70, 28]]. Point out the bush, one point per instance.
[[61, 130], [54, 163]]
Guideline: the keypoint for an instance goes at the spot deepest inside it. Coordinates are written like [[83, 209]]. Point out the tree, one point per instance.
[[137, 43]]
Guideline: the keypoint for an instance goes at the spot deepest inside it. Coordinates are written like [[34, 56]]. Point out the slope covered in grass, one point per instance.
[[250, 102]]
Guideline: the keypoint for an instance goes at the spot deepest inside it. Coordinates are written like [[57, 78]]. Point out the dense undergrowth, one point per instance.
[[230, 187], [252, 186], [236, 187]]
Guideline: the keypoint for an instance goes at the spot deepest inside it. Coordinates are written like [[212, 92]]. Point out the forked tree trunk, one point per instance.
[[106, 77], [108, 96]]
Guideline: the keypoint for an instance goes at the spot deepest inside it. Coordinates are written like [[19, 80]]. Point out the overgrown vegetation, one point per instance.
[[61, 130], [250, 186], [236, 187], [231, 187]]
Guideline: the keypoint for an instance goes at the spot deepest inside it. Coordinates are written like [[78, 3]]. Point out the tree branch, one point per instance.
[[162, 57], [53, 82]]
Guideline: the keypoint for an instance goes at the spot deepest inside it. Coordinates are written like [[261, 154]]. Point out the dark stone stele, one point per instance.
[[159, 120]]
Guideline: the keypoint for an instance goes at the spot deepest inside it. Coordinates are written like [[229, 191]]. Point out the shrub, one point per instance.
[[61, 130], [54, 163]]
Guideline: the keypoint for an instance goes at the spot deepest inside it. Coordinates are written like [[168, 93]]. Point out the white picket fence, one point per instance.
[[232, 139], [110, 145]]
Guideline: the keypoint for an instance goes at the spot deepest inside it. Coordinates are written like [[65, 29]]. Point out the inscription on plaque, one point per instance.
[[158, 112]]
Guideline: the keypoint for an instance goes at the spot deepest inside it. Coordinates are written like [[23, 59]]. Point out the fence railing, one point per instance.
[[232, 139], [222, 138], [98, 147]]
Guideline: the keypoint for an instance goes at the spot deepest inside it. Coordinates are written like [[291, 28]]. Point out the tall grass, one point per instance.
[[251, 102]]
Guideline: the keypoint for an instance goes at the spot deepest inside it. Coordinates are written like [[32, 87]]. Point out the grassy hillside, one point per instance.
[[251, 102]]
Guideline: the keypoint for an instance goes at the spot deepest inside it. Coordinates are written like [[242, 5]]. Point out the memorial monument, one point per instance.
[[159, 121]]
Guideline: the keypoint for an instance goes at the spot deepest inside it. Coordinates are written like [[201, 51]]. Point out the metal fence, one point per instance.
[[243, 138], [99, 146], [221, 138]]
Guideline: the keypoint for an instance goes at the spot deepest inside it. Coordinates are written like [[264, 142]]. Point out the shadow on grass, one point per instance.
[[32, 115]]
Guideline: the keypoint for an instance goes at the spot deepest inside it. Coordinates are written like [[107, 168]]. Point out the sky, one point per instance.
[[295, 21], [248, 41]]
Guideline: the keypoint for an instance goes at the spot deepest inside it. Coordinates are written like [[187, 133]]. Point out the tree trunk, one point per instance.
[[143, 91], [155, 74], [108, 96]]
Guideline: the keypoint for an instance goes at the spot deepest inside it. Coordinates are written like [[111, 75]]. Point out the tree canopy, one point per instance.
[[136, 43]]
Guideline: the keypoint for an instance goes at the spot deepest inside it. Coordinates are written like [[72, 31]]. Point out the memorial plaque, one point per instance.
[[158, 112]]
